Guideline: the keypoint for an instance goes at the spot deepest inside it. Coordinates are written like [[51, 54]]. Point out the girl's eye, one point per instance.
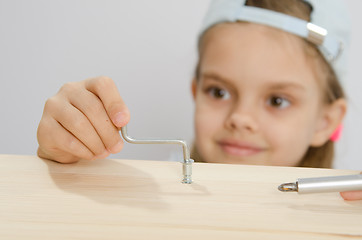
[[278, 102], [218, 93]]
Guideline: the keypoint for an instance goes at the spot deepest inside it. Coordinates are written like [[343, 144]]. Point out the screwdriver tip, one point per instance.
[[288, 187]]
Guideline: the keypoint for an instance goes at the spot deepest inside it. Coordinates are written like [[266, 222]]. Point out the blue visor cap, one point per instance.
[[328, 28]]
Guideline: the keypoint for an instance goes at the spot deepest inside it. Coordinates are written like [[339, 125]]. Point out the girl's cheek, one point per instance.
[[210, 114], [208, 120]]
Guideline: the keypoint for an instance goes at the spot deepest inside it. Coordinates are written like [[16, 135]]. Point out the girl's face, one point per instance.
[[257, 99]]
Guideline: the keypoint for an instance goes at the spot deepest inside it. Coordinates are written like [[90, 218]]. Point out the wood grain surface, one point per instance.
[[136, 199]]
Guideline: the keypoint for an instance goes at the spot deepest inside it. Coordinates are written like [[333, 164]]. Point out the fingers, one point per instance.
[[81, 121], [75, 122], [352, 195], [91, 106], [106, 90], [57, 144]]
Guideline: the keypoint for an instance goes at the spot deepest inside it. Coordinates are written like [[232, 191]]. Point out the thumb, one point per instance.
[[106, 90], [119, 114]]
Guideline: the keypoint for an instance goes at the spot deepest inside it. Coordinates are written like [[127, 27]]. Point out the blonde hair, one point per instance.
[[317, 157]]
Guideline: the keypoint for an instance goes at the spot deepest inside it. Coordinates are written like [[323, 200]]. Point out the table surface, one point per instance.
[[137, 199]]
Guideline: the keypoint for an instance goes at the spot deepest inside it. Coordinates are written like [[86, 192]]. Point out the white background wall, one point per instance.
[[147, 47]]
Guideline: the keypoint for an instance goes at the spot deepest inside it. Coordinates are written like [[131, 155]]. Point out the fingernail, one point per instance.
[[117, 119], [103, 155], [116, 148]]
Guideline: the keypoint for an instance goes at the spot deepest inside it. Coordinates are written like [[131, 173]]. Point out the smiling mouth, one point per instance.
[[239, 150]]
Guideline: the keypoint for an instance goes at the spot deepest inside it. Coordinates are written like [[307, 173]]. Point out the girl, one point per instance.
[[275, 102], [266, 92]]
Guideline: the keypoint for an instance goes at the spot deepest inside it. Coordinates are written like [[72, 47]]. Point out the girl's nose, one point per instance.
[[242, 118]]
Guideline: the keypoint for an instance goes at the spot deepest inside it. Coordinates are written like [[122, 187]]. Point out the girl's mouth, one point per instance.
[[239, 148]]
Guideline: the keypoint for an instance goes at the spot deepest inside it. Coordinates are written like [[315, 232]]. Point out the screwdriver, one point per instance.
[[324, 184]]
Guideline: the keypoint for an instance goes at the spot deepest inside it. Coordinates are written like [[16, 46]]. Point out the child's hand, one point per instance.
[[81, 121], [354, 195]]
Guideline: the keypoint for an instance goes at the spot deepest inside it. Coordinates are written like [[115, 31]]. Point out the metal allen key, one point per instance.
[[187, 162]]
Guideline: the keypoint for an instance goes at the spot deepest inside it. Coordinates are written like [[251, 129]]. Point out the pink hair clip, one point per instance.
[[337, 133]]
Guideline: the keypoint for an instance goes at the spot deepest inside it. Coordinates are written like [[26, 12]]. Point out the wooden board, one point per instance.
[[133, 199]]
